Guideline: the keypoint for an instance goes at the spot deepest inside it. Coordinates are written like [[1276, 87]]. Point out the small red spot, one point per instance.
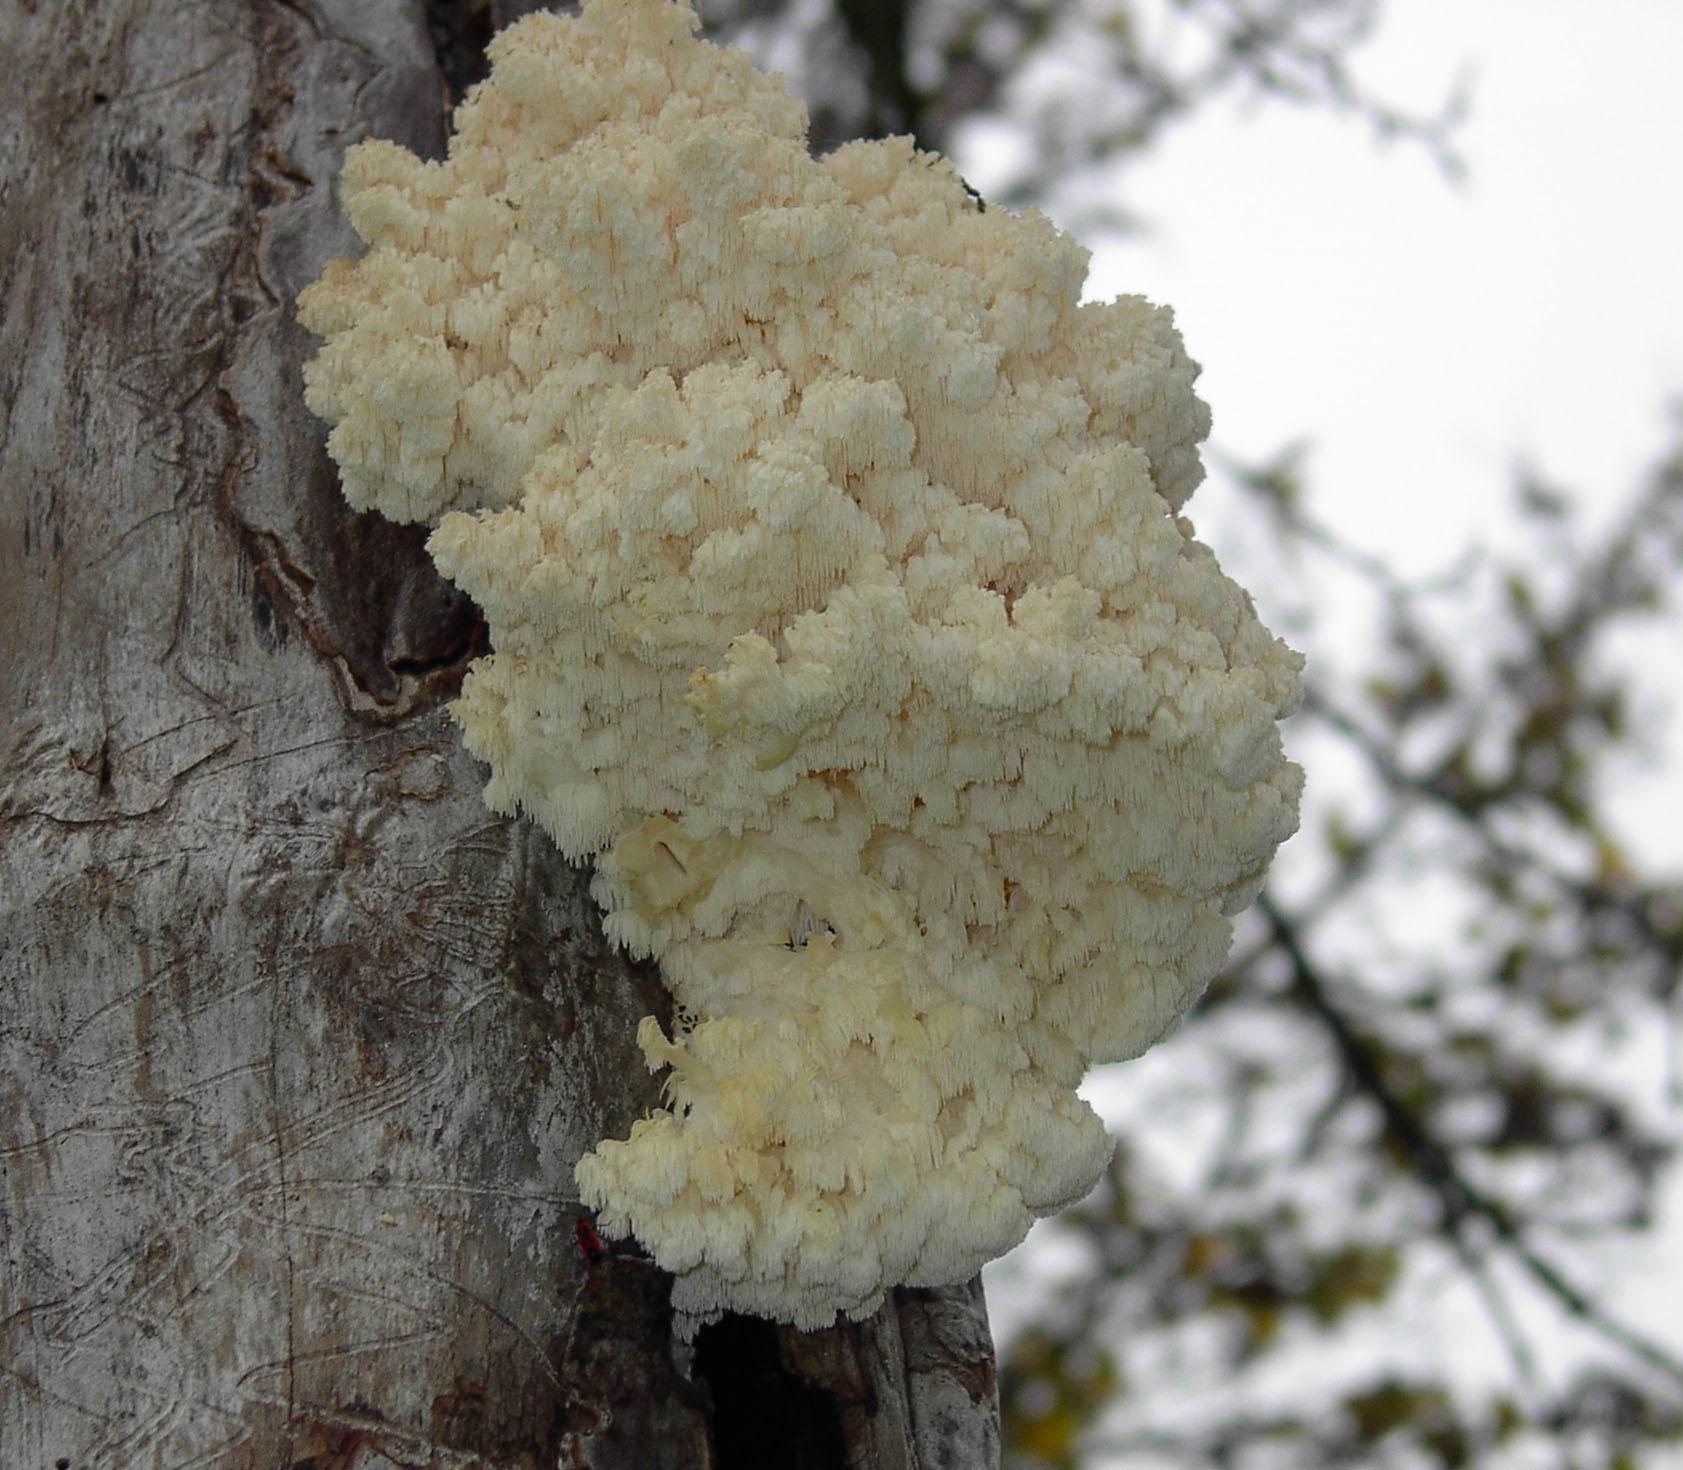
[[590, 1243]]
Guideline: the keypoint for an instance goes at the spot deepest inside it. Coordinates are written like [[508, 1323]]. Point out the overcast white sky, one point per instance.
[[1426, 334], [1427, 337]]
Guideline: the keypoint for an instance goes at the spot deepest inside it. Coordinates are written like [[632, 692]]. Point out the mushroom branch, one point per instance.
[[842, 609]]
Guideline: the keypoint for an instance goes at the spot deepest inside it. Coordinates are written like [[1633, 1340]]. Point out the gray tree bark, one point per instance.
[[298, 1044]]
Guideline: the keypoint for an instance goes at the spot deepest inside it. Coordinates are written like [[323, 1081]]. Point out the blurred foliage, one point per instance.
[[1388, 1111], [1464, 1097], [1080, 84]]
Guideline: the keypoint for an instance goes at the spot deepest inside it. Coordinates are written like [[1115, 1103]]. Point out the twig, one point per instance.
[[1459, 1199], [1437, 787]]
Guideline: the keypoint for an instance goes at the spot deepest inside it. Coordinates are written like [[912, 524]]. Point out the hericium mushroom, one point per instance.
[[842, 608]]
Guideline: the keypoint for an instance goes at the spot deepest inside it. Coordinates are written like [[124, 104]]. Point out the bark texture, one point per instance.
[[298, 1044]]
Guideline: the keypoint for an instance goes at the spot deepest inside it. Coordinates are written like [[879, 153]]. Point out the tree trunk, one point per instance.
[[298, 1044]]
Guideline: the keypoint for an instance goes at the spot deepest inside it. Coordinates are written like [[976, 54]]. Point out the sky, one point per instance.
[[1428, 337], [1346, 289]]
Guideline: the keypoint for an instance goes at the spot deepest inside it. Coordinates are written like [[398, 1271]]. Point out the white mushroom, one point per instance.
[[830, 554]]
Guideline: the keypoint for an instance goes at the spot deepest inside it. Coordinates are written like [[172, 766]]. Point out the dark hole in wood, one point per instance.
[[764, 1417]]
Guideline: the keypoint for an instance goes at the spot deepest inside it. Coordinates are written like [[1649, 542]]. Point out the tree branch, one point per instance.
[[1459, 1199]]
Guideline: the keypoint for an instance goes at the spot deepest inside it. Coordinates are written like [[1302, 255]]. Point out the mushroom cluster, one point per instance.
[[841, 608]]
